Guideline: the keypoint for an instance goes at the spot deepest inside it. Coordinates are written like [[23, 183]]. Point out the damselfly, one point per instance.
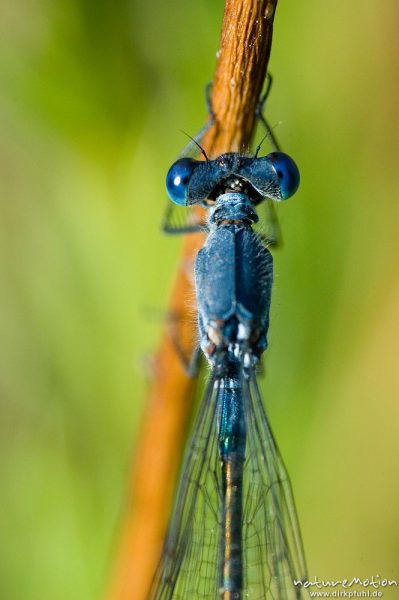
[[234, 532]]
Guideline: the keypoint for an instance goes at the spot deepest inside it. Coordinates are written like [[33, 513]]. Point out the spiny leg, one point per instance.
[[190, 360], [274, 238], [175, 221]]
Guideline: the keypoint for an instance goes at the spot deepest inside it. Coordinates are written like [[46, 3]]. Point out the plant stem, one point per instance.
[[240, 71]]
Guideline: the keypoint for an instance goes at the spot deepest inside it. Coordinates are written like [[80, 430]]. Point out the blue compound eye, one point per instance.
[[178, 178], [287, 173]]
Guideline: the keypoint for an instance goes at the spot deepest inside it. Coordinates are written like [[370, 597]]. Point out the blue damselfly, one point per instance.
[[234, 532]]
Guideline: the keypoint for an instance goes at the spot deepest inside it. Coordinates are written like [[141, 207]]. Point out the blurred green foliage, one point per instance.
[[93, 95]]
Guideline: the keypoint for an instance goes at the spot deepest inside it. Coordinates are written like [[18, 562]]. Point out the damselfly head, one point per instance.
[[274, 176]]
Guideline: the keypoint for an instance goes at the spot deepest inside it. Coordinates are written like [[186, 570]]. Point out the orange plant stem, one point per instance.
[[240, 71]]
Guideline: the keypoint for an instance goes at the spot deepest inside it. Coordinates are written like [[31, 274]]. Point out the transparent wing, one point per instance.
[[189, 563], [272, 547], [273, 550]]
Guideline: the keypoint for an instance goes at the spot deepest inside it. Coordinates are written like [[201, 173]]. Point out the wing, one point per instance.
[[272, 547], [273, 550], [189, 563]]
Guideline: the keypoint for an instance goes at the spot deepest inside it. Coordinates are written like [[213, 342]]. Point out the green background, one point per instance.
[[93, 97]]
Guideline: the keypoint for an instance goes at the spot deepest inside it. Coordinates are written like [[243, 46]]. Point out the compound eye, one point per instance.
[[178, 178], [287, 173]]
